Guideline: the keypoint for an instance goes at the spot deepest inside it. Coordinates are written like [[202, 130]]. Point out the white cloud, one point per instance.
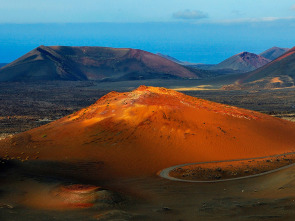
[[190, 14], [293, 7], [270, 19]]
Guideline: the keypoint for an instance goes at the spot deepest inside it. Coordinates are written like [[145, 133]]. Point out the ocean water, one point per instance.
[[199, 43]]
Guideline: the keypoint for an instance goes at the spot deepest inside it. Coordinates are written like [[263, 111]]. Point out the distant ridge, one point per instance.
[[242, 62], [274, 52], [279, 73], [183, 63], [92, 63]]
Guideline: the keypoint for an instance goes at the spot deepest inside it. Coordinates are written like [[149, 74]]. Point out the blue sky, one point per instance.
[[197, 31]]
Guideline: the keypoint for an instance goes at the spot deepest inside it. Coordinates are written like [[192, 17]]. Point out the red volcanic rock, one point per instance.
[[76, 196], [63, 197], [79, 189]]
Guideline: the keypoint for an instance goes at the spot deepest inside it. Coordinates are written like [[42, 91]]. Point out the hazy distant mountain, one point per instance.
[[92, 63], [184, 63], [277, 74], [242, 62], [2, 64], [274, 52]]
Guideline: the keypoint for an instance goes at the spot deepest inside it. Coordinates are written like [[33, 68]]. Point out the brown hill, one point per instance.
[[277, 74], [149, 129], [91, 63], [274, 52], [243, 62]]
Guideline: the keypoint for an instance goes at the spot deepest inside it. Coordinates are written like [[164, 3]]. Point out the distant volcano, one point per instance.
[[92, 63], [148, 129], [243, 62]]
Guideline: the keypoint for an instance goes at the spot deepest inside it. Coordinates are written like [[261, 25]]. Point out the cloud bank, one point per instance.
[[254, 20]]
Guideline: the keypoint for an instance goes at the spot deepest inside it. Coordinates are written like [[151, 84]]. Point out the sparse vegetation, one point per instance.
[[33, 101]]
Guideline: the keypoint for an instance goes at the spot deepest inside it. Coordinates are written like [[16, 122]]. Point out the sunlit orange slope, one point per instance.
[[148, 129]]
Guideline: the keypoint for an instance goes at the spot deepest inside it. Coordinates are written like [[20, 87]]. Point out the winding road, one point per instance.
[[165, 172]]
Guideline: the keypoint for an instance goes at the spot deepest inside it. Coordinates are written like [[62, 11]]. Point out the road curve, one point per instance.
[[165, 172]]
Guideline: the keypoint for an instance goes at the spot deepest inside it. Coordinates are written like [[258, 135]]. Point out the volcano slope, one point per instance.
[[149, 129]]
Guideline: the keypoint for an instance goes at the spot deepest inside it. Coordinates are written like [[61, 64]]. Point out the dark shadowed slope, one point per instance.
[[242, 62], [91, 63], [274, 52], [277, 74]]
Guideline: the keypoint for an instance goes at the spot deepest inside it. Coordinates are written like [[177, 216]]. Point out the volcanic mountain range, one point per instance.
[[92, 63], [113, 64], [149, 129]]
